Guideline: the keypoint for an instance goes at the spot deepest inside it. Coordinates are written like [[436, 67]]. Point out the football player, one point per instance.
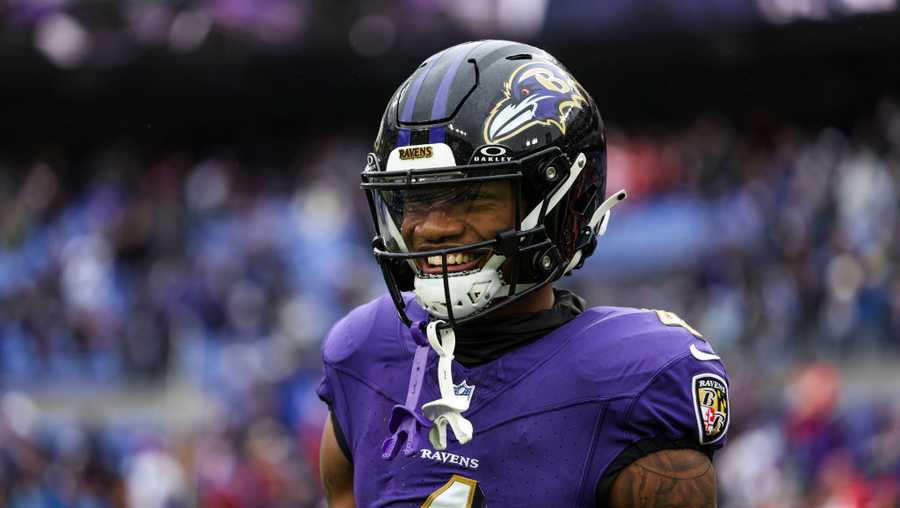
[[474, 382]]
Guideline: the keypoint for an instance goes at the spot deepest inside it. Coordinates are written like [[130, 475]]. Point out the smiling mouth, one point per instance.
[[456, 263]]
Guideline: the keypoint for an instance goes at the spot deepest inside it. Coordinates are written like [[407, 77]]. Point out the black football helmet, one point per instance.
[[488, 113]]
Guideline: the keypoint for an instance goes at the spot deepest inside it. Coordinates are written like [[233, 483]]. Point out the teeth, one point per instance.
[[452, 259]]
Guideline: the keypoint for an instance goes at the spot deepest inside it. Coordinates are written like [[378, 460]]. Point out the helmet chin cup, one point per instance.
[[469, 293]]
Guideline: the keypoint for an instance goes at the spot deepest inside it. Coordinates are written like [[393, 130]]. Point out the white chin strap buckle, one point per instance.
[[446, 410], [600, 220]]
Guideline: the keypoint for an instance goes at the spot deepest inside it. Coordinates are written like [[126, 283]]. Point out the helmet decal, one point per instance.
[[536, 93], [434, 155]]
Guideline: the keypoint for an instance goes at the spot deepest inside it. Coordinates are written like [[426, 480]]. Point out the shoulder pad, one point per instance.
[[636, 343], [627, 322], [349, 334]]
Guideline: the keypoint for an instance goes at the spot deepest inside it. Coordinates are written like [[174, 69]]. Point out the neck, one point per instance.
[[542, 299]]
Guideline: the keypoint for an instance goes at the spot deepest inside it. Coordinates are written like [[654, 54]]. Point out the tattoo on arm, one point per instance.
[[666, 479]]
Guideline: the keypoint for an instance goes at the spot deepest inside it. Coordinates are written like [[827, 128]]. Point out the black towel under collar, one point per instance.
[[484, 340]]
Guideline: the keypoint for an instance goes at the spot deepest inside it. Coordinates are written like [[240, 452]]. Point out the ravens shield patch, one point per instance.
[[711, 406]]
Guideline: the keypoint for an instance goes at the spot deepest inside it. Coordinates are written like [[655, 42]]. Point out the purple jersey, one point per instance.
[[550, 418]]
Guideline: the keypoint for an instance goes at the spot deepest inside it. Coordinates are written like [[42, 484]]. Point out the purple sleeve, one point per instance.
[[335, 348], [330, 392], [686, 401], [685, 405], [324, 390], [326, 393]]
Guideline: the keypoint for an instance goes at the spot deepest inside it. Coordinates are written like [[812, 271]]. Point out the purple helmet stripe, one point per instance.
[[436, 134], [439, 107], [409, 102], [403, 137]]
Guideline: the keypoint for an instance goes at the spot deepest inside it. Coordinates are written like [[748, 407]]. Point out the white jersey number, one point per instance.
[[459, 492]]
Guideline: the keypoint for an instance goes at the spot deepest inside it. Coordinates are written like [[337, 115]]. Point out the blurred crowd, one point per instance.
[[119, 272], [129, 270], [778, 240]]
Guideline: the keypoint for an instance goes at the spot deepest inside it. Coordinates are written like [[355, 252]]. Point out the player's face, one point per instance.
[[456, 216]]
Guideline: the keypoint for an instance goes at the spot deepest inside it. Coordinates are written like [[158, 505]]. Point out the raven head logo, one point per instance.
[[536, 93]]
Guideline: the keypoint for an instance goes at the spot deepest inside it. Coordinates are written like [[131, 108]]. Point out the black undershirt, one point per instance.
[[490, 338]]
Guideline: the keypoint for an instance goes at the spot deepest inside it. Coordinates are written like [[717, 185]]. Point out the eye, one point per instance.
[[526, 92]]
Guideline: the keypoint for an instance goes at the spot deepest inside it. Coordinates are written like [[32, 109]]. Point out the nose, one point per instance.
[[438, 226]]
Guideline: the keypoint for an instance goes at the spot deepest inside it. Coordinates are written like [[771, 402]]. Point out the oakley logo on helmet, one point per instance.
[[536, 93], [491, 153]]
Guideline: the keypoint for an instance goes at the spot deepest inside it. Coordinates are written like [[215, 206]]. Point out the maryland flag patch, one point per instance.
[[711, 405]]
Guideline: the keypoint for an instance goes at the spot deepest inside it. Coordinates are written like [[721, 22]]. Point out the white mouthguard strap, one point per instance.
[[602, 212], [447, 409], [599, 221]]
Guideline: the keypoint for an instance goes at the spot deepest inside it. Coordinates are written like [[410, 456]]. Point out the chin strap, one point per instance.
[[446, 410]]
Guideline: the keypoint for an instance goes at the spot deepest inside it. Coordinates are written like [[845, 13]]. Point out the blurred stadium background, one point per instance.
[[180, 224]]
